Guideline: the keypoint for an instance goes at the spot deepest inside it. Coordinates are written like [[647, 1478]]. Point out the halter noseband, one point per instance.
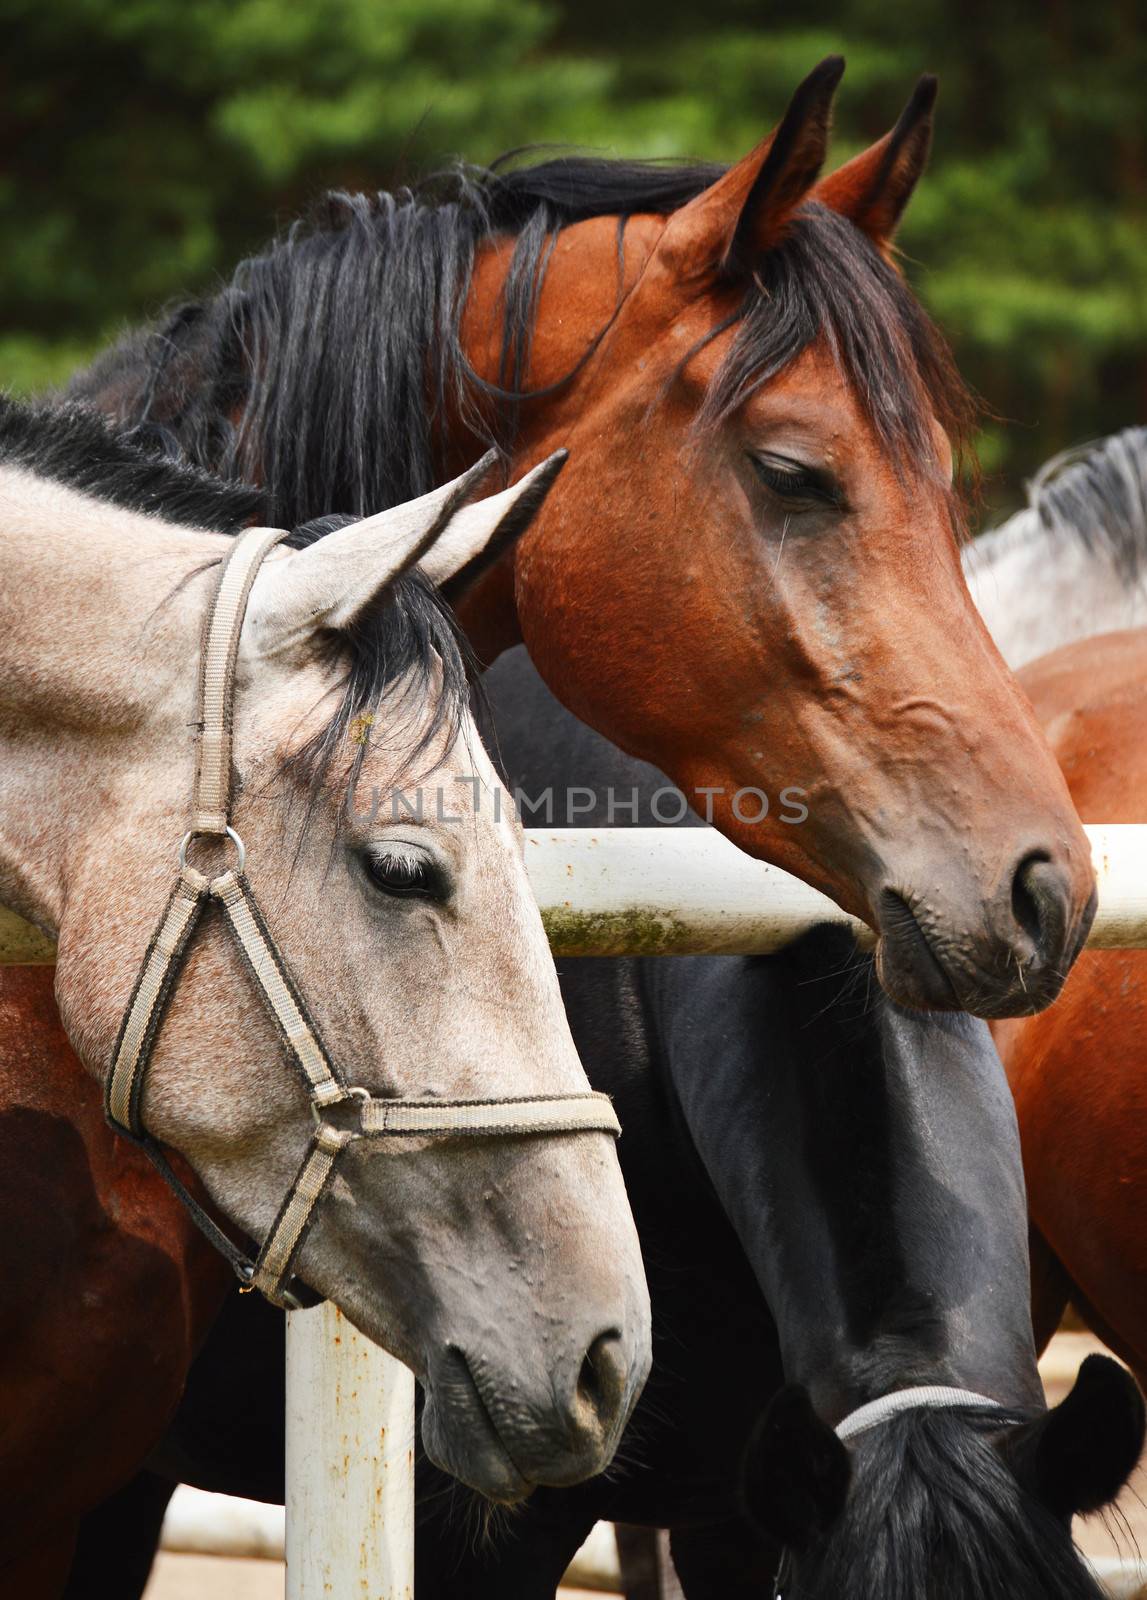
[[371, 1116]]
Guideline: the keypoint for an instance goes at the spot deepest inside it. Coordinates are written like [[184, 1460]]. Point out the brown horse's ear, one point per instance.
[[873, 189], [744, 213]]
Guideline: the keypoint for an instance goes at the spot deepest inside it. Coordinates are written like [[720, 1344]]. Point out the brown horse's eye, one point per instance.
[[792, 481], [403, 874]]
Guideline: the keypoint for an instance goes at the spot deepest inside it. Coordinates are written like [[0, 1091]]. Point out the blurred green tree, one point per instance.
[[147, 146]]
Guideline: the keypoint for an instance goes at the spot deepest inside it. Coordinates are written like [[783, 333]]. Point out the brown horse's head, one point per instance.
[[749, 574]]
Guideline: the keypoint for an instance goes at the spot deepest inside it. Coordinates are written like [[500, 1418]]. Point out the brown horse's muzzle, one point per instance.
[[1013, 964]]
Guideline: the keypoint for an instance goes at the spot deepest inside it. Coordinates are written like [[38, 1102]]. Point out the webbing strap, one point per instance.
[[149, 1000], [290, 1227], [217, 678], [323, 1082], [590, 1112]]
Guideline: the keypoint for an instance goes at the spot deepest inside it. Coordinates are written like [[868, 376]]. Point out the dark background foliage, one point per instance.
[[146, 145]]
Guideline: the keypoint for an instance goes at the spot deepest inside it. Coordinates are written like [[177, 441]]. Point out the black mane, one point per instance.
[[325, 368], [935, 1513], [407, 656], [74, 446]]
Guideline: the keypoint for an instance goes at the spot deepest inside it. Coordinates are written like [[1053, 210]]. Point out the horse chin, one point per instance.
[[460, 1438], [906, 964], [916, 976]]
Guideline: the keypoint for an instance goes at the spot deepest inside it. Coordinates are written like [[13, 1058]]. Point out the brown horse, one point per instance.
[[1079, 1071], [108, 1290], [749, 572], [1071, 565]]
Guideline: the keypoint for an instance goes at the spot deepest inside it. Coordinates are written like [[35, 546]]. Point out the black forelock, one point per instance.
[[935, 1513], [330, 364], [75, 446], [827, 282], [409, 662]]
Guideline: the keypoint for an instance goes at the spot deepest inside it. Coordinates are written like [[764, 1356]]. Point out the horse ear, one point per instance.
[[796, 1472], [1077, 1456], [874, 188], [479, 554], [744, 213], [330, 583]]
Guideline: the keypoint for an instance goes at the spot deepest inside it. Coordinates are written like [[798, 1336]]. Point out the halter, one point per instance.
[[361, 1115]]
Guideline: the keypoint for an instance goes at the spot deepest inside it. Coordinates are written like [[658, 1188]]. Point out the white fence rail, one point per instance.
[[644, 891], [688, 891]]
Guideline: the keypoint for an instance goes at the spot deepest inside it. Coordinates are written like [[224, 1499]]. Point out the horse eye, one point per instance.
[[403, 875], [790, 480]]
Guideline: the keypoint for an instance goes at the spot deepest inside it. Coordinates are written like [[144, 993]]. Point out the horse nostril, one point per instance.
[[601, 1380], [1040, 895]]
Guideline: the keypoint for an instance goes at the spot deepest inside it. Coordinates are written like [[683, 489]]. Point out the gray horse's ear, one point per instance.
[[468, 556], [330, 583]]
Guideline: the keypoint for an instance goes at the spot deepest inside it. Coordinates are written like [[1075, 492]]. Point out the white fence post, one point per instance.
[[350, 1464]]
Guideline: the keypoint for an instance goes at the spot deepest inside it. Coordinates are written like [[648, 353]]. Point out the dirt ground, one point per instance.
[[179, 1577], [1120, 1537]]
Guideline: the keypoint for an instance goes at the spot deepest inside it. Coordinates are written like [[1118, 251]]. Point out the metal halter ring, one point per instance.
[[240, 847], [355, 1093]]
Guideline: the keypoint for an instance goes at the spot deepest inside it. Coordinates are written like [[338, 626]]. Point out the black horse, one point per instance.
[[830, 1200]]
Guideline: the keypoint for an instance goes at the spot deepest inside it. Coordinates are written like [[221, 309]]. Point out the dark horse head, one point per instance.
[[748, 574], [956, 1504], [887, 1220], [868, 1159]]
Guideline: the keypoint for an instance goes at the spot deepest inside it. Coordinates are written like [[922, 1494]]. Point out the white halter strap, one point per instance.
[[928, 1397]]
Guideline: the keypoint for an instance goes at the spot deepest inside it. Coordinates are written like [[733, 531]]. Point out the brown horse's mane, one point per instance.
[[309, 369]]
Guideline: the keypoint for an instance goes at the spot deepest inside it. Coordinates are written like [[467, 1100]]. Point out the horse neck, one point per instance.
[[1037, 590], [93, 667], [869, 1162]]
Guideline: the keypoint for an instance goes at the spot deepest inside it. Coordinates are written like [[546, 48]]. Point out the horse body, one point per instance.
[[1078, 1075], [1064, 581], [93, 1244]]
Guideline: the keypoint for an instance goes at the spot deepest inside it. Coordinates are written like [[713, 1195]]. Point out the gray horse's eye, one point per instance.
[[404, 873]]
